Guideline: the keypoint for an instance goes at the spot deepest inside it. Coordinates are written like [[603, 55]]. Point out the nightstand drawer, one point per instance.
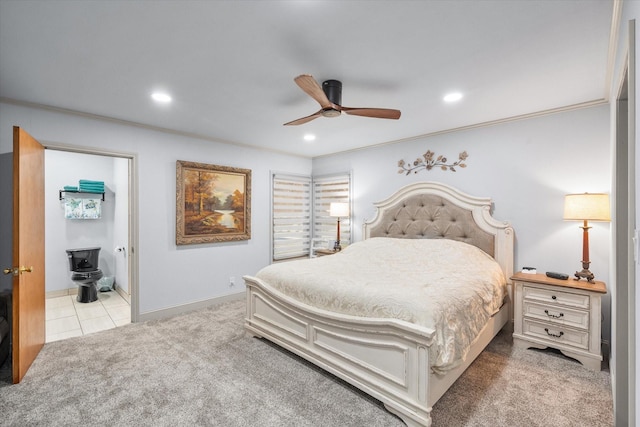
[[553, 296], [556, 334], [557, 315]]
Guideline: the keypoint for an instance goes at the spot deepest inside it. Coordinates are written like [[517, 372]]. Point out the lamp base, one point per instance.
[[337, 247], [586, 274]]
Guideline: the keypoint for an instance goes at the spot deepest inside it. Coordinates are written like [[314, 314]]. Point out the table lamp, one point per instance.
[[338, 210], [586, 207]]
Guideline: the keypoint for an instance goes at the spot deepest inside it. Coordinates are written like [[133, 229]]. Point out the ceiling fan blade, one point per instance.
[[308, 84], [304, 119], [378, 113]]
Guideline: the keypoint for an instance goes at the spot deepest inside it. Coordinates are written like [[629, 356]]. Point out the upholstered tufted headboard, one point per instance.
[[431, 210], [426, 216]]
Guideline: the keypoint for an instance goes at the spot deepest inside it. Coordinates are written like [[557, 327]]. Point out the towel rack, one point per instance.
[[78, 192]]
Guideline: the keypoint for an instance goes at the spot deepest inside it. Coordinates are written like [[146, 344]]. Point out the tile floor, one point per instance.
[[67, 318]]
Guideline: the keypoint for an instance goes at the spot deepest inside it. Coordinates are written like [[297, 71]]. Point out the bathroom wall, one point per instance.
[[121, 223], [67, 168]]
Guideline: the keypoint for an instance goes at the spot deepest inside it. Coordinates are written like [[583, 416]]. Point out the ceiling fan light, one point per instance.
[[330, 112]]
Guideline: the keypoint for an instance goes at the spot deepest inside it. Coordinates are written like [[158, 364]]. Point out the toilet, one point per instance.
[[83, 264]]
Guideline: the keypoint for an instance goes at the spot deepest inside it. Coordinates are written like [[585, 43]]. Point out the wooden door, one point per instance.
[[28, 331]]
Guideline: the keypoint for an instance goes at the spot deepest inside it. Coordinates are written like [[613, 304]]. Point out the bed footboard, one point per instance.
[[386, 358]]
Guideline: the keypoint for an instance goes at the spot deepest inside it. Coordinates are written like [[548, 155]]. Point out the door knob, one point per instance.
[[17, 270]]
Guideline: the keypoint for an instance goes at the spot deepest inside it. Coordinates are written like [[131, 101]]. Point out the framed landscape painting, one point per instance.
[[213, 203]]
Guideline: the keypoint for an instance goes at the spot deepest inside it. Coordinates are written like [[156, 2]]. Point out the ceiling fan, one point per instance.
[[329, 96]]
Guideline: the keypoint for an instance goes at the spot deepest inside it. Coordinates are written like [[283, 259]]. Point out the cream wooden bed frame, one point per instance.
[[386, 358]]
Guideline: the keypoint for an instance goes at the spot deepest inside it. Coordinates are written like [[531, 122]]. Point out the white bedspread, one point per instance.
[[449, 286]]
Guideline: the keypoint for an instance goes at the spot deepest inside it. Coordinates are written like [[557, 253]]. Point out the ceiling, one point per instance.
[[229, 65]]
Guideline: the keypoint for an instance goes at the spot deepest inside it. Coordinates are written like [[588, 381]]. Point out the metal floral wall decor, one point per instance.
[[428, 161]]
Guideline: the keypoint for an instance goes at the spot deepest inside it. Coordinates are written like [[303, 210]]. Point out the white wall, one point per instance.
[[525, 166], [169, 275], [121, 222]]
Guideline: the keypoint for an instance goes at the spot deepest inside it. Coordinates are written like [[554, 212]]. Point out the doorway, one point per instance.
[[113, 231], [624, 205]]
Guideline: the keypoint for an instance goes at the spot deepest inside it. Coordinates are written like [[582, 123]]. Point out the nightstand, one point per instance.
[[561, 314], [325, 252]]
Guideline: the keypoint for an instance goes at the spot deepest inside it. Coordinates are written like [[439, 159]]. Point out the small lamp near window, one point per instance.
[[338, 210], [586, 207]]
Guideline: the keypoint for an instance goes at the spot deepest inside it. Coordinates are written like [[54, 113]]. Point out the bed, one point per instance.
[[388, 347]]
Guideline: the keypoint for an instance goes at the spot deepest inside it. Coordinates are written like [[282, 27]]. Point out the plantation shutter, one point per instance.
[[291, 216], [327, 190]]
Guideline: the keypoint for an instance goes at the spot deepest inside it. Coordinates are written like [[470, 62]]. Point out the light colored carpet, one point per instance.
[[200, 369]]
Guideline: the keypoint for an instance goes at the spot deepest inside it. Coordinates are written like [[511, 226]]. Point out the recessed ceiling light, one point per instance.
[[161, 97], [452, 97], [309, 137]]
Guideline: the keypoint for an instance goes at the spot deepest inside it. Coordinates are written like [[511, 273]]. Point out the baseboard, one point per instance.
[[125, 296], [184, 308], [62, 292]]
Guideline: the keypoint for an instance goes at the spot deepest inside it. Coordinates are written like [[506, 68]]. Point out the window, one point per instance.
[[291, 216], [293, 208], [326, 190]]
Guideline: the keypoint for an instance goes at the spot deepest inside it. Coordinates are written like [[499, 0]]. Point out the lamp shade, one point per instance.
[[339, 209], [587, 206]]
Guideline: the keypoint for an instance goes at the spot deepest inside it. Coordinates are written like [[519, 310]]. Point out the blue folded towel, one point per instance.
[[70, 188], [88, 186], [84, 190]]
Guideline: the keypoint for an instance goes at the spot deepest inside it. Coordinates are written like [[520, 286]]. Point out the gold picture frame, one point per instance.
[[213, 203]]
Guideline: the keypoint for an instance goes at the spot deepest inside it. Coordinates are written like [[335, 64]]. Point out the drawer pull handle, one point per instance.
[[555, 316], [552, 334], [554, 297]]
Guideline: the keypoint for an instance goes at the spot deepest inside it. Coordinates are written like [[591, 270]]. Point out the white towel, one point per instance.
[[91, 208], [72, 208], [82, 208]]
